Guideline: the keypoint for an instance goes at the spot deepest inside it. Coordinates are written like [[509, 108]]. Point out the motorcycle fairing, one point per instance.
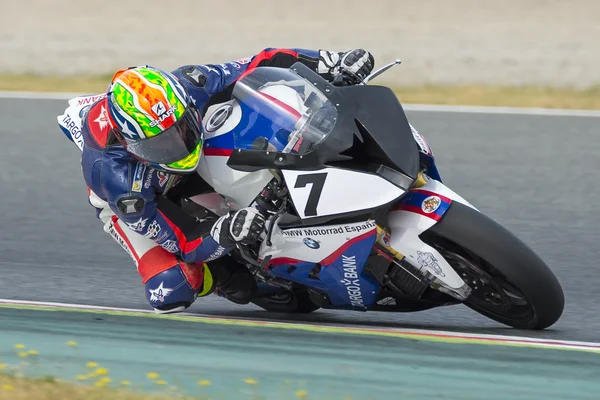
[[339, 275], [426, 155], [326, 191], [416, 212], [424, 202], [327, 242]]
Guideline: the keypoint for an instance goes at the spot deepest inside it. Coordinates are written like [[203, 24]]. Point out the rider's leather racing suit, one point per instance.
[[139, 206]]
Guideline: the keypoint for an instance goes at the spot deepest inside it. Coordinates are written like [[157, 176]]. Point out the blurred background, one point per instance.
[[509, 42]]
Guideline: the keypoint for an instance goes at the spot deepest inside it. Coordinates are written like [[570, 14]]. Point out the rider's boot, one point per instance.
[[232, 281]]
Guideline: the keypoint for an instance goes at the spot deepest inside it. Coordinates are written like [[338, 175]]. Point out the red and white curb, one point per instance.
[[460, 337]]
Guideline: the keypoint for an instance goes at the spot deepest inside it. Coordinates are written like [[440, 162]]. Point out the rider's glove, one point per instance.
[[243, 226], [358, 62]]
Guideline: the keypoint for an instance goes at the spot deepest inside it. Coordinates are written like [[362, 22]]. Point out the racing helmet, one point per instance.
[[155, 119]]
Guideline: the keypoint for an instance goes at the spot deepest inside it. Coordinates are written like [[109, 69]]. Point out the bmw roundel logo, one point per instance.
[[313, 244]]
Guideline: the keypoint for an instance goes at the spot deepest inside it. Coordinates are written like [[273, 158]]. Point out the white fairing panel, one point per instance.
[[213, 202], [405, 229], [406, 226], [239, 188], [331, 191], [71, 120], [439, 188], [313, 244]]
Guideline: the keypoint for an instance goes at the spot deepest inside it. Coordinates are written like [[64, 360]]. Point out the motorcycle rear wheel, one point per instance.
[[297, 301], [511, 284]]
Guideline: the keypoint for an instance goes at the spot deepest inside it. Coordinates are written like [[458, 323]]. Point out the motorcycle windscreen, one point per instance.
[[281, 112]]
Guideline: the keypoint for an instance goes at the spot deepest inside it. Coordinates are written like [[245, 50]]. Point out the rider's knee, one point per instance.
[[170, 284], [175, 289]]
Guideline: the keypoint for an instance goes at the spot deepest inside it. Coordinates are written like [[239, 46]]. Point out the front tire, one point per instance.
[[511, 284]]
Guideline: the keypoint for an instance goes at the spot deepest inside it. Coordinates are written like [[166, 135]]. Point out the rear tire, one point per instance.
[[514, 286]]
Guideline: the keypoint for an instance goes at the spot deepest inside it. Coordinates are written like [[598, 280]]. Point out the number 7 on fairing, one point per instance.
[[317, 181]]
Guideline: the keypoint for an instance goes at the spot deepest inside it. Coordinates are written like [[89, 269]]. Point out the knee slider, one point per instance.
[[175, 289]]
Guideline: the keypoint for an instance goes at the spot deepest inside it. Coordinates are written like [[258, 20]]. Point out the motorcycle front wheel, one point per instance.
[[510, 283]]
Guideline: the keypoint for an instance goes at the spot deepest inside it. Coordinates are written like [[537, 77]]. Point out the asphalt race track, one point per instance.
[[536, 175]]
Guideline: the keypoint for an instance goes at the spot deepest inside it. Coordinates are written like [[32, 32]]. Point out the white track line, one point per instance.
[[69, 305], [407, 107], [502, 110], [549, 343]]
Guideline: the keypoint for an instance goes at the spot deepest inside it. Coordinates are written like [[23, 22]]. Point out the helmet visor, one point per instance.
[[173, 144]]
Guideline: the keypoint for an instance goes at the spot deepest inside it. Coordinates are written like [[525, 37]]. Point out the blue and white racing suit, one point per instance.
[[139, 205]]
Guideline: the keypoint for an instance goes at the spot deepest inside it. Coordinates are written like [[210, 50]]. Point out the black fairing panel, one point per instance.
[[371, 130], [381, 127]]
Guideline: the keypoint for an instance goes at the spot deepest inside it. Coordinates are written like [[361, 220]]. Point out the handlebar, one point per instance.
[[347, 78]]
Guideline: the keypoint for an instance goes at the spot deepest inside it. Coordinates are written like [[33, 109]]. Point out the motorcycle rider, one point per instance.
[[142, 142]]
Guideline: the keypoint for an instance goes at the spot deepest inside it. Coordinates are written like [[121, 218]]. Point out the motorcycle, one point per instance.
[[358, 216]]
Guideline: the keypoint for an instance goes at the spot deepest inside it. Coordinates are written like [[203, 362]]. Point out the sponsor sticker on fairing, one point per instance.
[[385, 239], [352, 281], [430, 204], [423, 146], [360, 227], [428, 260], [311, 243], [367, 226]]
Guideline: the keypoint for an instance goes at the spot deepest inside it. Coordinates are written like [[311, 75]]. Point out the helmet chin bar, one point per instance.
[[165, 168]]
